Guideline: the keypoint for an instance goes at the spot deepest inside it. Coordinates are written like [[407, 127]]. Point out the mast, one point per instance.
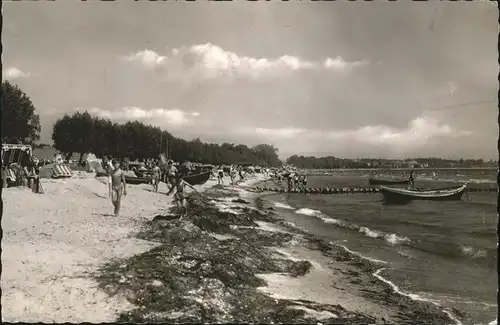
[[168, 154]]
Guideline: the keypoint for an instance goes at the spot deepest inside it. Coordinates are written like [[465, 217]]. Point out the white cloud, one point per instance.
[[208, 61], [419, 131], [281, 133], [14, 73], [417, 134], [147, 57], [157, 116], [339, 63]]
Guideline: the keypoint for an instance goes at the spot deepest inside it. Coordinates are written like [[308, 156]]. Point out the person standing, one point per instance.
[[117, 186], [186, 168], [240, 172], [180, 196], [155, 176], [171, 173], [220, 175], [411, 185], [289, 179], [232, 174]]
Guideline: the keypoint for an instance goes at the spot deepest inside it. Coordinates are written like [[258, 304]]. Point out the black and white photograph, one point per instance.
[[312, 162]]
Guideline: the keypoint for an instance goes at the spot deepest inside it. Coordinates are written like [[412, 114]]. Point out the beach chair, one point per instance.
[[61, 171]]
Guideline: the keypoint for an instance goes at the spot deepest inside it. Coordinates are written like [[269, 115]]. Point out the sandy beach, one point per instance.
[[53, 241], [66, 259]]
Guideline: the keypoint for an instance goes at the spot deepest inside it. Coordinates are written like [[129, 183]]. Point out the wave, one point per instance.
[[374, 260], [283, 206], [372, 233], [413, 296], [308, 212], [480, 255]]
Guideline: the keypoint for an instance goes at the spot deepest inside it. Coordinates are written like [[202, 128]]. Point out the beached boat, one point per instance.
[[137, 180], [374, 181], [198, 179], [400, 195]]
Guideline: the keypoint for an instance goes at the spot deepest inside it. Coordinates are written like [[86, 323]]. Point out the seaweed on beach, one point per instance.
[[206, 267], [194, 277]]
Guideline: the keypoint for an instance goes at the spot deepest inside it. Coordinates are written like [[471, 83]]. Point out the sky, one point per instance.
[[388, 80]]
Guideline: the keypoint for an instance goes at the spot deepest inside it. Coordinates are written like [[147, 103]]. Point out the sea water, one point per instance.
[[441, 252]]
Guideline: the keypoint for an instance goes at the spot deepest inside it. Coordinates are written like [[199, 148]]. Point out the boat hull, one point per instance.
[[198, 179], [402, 196], [373, 181], [137, 180]]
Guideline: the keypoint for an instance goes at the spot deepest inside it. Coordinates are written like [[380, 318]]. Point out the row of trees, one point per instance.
[[20, 123], [82, 133], [330, 162], [310, 162]]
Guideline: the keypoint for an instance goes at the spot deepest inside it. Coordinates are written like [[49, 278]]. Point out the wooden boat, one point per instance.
[[101, 174], [400, 195], [374, 181], [137, 180], [198, 179]]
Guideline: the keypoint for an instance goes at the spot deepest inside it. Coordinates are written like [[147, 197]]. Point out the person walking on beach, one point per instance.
[[220, 175], [232, 174], [171, 173], [289, 179], [117, 186], [240, 172], [180, 196], [155, 173]]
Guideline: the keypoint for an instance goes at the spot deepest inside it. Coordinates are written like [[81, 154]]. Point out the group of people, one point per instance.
[[169, 173], [295, 180], [233, 172], [17, 175]]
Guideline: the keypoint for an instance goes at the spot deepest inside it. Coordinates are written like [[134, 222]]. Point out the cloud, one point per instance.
[[280, 133], [156, 116], [14, 73], [419, 132], [208, 61]]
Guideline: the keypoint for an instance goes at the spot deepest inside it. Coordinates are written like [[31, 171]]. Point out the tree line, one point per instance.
[[82, 133], [330, 162]]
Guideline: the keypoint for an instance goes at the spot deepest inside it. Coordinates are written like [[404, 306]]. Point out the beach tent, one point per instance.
[[16, 153], [94, 164]]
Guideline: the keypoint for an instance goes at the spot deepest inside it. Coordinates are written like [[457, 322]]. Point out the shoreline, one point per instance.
[[227, 261], [373, 269], [284, 272]]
